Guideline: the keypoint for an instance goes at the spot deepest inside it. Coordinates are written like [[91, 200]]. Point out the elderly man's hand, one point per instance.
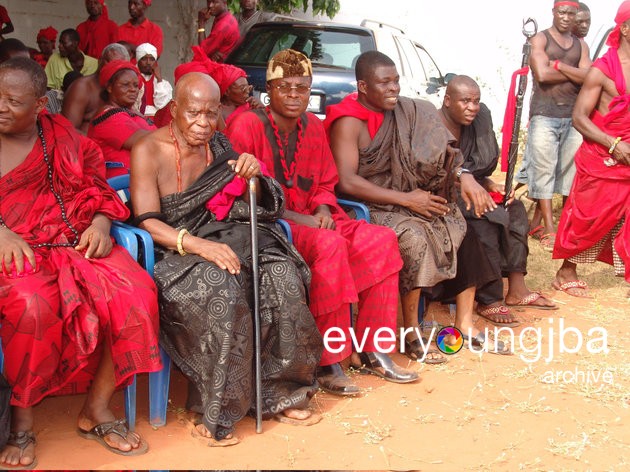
[[245, 166], [14, 250], [221, 254]]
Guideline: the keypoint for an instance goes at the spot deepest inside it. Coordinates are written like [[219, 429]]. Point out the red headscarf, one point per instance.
[[224, 74], [109, 69], [623, 15], [562, 3], [49, 33], [147, 2]]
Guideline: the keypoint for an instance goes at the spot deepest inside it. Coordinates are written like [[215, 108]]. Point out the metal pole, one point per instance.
[[253, 221], [530, 28]]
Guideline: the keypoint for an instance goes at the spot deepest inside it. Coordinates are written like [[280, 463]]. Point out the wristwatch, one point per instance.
[[461, 171]]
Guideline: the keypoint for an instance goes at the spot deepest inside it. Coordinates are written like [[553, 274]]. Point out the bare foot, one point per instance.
[[199, 431], [20, 450], [132, 440], [297, 417], [297, 414]]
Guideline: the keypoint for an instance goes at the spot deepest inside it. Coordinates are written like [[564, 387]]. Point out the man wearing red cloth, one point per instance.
[[350, 260], [139, 29], [224, 35], [76, 313], [595, 222], [98, 30]]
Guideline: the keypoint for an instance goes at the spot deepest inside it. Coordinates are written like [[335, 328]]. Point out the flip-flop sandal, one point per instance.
[[119, 427], [571, 284], [21, 440], [547, 241], [414, 351], [537, 232], [529, 302], [311, 420], [479, 341], [501, 310]]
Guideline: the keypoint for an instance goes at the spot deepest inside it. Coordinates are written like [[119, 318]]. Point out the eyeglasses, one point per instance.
[[243, 88], [301, 89]]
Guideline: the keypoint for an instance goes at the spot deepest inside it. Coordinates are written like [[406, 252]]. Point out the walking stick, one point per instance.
[[253, 221], [530, 28]]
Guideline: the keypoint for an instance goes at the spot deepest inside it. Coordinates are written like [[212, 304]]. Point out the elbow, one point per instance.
[[344, 186]]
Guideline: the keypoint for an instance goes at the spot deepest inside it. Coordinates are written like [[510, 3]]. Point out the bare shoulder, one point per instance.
[[346, 127], [153, 146]]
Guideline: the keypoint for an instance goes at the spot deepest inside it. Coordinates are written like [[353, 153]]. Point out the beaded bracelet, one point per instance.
[[612, 147], [180, 239]]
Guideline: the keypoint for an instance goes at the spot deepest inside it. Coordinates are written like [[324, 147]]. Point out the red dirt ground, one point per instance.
[[476, 412]]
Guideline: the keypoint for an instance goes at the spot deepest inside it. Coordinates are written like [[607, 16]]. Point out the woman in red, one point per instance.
[[116, 126]]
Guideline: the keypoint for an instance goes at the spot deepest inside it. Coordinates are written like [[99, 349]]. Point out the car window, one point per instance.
[[324, 47], [412, 65], [387, 45]]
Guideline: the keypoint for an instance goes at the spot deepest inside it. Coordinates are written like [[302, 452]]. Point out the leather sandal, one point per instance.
[[21, 440], [415, 351], [332, 379], [118, 427], [383, 366]]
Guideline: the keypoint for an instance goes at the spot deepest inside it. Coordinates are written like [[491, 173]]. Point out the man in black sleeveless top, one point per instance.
[[559, 62]]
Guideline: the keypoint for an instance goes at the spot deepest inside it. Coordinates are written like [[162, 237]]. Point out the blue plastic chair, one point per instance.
[[158, 381], [129, 241]]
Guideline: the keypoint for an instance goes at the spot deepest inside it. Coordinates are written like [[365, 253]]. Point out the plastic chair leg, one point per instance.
[[130, 404], [158, 391]]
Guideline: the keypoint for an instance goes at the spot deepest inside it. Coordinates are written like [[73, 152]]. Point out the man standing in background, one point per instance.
[[250, 15], [139, 29], [582, 21], [98, 30], [559, 62], [224, 35]]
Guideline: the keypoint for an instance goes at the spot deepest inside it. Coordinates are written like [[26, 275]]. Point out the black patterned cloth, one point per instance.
[[206, 313]]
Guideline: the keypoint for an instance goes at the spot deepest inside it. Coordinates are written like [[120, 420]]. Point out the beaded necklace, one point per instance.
[[178, 163], [288, 170], [64, 215]]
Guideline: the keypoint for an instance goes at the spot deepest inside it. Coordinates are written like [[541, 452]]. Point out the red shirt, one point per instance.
[[96, 34], [223, 37], [145, 32]]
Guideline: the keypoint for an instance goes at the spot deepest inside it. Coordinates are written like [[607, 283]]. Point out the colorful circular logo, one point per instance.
[[449, 340]]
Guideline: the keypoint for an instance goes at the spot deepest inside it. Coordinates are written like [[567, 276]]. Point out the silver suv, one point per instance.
[[333, 49]]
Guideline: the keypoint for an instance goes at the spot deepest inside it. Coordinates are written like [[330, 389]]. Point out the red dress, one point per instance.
[[110, 129], [55, 320], [356, 261]]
